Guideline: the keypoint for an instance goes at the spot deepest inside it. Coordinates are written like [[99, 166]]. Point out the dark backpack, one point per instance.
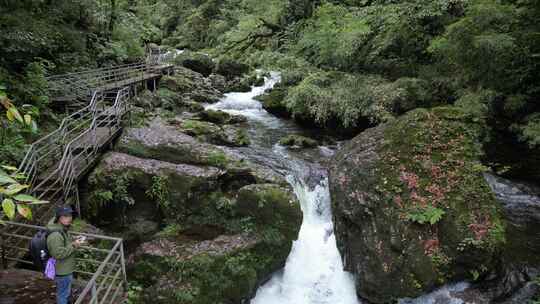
[[39, 250]]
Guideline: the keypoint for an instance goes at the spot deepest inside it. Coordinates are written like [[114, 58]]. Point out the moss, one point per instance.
[[261, 211], [198, 128], [273, 101], [298, 141], [176, 84], [218, 159], [242, 138], [207, 279], [215, 116], [430, 162]]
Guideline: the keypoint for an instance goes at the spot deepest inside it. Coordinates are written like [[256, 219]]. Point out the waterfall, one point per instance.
[[313, 273]]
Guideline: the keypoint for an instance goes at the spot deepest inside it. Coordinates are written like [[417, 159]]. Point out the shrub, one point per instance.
[[348, 98]]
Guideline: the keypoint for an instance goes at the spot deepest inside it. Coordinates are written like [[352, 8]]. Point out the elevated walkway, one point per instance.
[[54, 165]]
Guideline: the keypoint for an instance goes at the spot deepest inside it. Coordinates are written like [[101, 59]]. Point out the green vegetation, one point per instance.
[[116, 193], [298, 141], [159, 191], [14, 201], [357, 63]]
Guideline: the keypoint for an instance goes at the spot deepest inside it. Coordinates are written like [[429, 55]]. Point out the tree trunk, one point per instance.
[[112, 21]]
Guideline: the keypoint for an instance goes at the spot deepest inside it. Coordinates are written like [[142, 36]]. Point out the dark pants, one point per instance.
[[63, 288]]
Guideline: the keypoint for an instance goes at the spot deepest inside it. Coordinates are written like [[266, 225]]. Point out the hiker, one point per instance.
[[62, 248]]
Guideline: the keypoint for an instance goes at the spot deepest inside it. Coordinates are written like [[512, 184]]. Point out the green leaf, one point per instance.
[[25, 198], [24, 211], [27, 119], [14, 189], [15, 115], [6, 179], [9, 208], [9, 168]]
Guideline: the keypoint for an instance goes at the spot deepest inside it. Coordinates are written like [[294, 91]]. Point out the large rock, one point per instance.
[[271, 206], [212, 133], [166, 142], [191, 85], [125, 191], [200, 63], [298, 141], [272, 101], [411, 208], [261, 223], [521, 205], [231, 68]]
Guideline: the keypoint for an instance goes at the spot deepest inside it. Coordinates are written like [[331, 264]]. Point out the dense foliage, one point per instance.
[[355, 62]]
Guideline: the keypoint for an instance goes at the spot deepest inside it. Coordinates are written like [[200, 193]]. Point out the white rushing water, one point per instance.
[[314, 272], [243, 103]]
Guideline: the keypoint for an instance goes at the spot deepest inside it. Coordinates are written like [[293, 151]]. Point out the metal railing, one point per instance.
[[161, 56], [53, 163], [101, 269], [80, 85]]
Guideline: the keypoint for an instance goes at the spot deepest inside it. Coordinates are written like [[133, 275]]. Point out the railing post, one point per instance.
[[77, 202], [122, 260], [93, 293]]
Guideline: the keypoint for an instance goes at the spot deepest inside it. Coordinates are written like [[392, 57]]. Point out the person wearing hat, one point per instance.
[[62, 247]]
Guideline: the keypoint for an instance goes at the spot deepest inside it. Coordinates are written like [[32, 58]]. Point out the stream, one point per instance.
[[313, 273]]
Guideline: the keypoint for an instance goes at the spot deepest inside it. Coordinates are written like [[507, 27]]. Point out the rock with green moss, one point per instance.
[[231, 68], [272, 206], [298, 141], [220, 117], [128, 191], [166, 142], [211, 133], [273, 101], [198, 62], [411, 208], [191, 85], [227, 268]]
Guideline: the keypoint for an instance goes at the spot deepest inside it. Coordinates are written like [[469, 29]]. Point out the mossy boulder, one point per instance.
[[231, 68], [411, 208], [228, 268], [166, 142], [220, 117], [298, 141], [272, 206], [128, 191], [223, 270], [212, 133], [191, 85], [200, 63], [273, 101]]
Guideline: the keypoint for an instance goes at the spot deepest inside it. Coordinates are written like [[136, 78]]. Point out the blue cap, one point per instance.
[[63, 211]]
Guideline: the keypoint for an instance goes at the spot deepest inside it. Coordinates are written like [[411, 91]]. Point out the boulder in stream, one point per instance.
[[411, 208]]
